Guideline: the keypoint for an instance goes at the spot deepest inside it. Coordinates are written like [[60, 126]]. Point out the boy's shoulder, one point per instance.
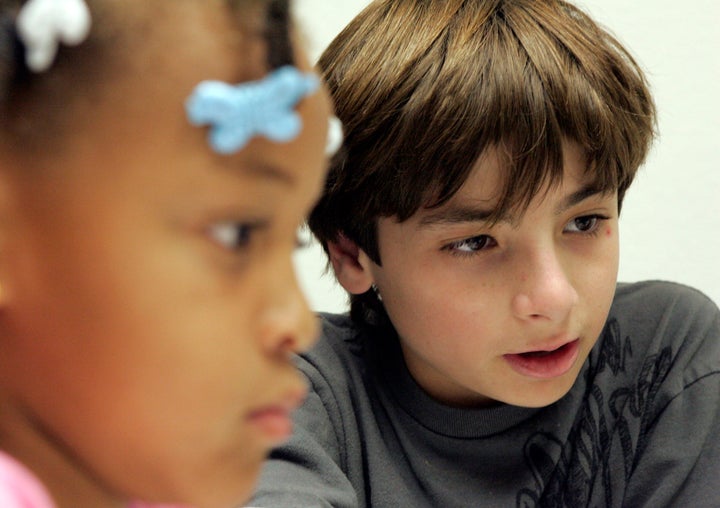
[[337, 361], [657, 295], [670, 313], [659, 332], [340, 338]]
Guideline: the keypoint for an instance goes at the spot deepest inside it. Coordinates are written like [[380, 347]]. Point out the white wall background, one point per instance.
[[670, 224]]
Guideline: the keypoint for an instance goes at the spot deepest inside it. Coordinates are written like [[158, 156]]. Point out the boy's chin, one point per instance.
[[539, 396]]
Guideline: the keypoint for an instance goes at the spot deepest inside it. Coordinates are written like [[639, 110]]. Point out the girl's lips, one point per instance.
[[545, 364], [275, 421]]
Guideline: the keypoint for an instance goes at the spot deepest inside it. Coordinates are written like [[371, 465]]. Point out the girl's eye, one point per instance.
[[233, 235], [587, 224], [472, 245]]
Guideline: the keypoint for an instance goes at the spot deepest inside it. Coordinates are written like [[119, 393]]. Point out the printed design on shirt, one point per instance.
[[568, 473]]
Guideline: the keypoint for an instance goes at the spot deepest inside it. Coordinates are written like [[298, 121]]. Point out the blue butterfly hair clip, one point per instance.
[[237, 113]]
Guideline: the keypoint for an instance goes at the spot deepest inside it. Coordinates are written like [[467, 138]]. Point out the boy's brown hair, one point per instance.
[[424, 87]]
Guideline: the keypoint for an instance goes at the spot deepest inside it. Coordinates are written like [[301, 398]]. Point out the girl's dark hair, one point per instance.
[[35, 108], [424, 88], [277, 34]]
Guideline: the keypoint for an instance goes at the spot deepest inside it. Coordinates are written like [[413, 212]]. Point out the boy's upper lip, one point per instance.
[[553, 343]]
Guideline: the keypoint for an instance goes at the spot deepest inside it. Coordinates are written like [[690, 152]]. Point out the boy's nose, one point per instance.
[[545, 290]]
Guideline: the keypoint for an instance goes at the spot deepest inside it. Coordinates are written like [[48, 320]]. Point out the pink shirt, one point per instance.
[[19, 488]]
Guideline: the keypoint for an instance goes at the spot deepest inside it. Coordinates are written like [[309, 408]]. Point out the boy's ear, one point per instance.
[[351, 265]]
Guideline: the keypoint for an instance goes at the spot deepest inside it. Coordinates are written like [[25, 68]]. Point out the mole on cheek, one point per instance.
[[608, 232]]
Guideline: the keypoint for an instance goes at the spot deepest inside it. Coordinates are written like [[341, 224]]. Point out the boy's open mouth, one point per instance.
[[538, 354], [545, 364]]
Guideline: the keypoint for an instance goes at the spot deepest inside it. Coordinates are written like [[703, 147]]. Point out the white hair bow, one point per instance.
[[335, 136], [42, 24]]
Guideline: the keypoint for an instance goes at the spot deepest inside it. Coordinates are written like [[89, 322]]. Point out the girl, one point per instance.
[[148, 307]]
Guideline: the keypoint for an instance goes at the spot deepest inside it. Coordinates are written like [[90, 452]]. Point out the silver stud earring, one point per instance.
[[377, 292]]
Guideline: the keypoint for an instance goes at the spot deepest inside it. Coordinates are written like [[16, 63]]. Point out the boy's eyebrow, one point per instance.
[[457, 214], [588, 191]]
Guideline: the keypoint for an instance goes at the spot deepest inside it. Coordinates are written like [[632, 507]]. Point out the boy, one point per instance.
[[490, 358]]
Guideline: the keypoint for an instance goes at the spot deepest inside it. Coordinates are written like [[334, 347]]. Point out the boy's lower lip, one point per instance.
[[545, 365]]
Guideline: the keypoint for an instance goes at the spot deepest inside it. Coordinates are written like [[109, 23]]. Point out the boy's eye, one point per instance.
[[233, 235], [585, 224], [472, 245]]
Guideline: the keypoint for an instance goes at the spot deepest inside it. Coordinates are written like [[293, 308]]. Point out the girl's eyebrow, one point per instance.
[[269, 171]]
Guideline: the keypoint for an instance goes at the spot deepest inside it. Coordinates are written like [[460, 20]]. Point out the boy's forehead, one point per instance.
[[480, 198]]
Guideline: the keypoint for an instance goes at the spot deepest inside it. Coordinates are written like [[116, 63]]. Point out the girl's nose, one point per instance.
[[288, 326]]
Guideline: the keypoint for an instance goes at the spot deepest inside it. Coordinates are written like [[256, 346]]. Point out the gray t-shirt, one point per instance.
[[640, 426]]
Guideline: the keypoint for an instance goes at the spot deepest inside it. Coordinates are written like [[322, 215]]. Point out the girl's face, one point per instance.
[[149, 305]]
